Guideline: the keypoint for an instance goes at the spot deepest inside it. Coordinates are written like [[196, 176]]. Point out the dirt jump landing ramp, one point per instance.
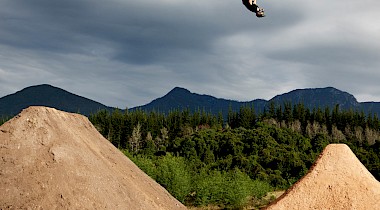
[[337, 180], [51, 159]]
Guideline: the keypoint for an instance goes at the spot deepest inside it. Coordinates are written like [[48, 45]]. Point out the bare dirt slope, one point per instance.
[[337, 180], [51, 159]]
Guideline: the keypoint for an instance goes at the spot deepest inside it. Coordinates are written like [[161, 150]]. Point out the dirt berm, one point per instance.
[[51, 159], [337, 180]]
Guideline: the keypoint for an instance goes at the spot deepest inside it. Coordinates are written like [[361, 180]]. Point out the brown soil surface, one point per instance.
[[337, 180], [51, 159]]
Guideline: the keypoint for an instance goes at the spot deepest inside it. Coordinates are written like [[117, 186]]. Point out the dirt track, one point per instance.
[[56, 160], [337, 180]]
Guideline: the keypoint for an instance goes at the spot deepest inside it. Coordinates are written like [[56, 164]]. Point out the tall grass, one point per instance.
[[230, 190]]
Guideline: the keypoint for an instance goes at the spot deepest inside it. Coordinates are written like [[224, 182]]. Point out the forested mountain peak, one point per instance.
[[319, 97], [181, 98], [50, 96], [179, 90]]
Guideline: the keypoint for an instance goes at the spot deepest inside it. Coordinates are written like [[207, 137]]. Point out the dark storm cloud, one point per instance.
[[140, 33], [40, 25], [128, 52]]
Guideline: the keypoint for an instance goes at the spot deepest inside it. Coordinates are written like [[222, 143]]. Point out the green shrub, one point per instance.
[[207, 188], [230, 190], [169, 171], [260, 188], [173, 174], [146, 164]]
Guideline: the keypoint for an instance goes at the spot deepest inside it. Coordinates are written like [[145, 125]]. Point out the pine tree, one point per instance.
[[135, 139]]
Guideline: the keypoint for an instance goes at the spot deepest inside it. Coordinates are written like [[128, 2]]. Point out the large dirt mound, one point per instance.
[[337, 180], [51, 159]]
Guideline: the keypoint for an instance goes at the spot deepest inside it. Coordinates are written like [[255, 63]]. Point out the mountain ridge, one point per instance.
[[181, 98], [310, 97], [320, 97], [50, 96]]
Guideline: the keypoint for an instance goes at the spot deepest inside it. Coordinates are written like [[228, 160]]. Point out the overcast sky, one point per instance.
[[125, 53]]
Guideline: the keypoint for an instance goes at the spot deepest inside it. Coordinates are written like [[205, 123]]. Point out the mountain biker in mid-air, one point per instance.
[[252, 6]]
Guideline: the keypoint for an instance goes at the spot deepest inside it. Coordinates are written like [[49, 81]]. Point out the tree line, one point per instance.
[[4, 119], [204, 159]]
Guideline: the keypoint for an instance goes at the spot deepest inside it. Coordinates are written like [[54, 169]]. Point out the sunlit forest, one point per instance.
[[203, 159]]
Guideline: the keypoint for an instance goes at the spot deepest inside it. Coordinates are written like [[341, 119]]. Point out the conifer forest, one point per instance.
[[203, 159]]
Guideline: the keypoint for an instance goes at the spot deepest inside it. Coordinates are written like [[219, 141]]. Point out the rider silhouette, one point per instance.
[[252, 6]]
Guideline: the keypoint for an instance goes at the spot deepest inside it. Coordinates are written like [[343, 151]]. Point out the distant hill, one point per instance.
[[47, 95], [319, 97], [327, 97], [180, 98]]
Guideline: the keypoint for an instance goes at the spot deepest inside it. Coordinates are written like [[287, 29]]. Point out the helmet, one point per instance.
[[260, 14]]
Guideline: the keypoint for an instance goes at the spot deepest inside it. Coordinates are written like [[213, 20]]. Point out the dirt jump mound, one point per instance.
[[337, 180], [51, 159]]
